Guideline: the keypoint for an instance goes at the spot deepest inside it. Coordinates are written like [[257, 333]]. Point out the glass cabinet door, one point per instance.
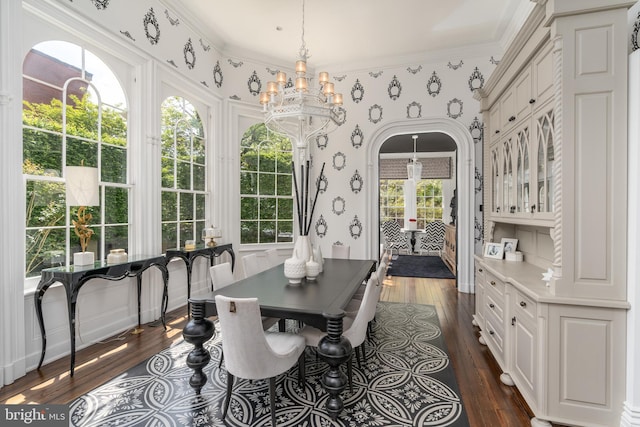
[[546, 157], [507, 178], [495, 180], [522, 171]]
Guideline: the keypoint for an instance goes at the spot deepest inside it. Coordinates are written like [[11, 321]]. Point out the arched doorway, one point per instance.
[[465, 177]]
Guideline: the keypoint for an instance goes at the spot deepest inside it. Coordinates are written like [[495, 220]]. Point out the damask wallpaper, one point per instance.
[[438, 87]]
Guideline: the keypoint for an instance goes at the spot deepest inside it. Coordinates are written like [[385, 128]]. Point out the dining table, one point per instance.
[[319, 303]]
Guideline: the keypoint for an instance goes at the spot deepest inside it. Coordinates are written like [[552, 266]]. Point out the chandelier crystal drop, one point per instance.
[[302, 110], [414, 167]]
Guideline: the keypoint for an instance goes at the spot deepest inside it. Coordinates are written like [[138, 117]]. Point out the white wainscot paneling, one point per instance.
[[593, 46], [592, 227]]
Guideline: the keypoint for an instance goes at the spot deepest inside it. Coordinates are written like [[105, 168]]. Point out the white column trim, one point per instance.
[[465, 181], [12, 215], [631, 409]]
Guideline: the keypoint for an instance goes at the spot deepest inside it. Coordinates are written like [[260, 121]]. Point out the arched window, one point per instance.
[[266, 199], [184, 165], [74, 114]]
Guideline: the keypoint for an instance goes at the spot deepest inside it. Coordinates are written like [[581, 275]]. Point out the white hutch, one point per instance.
[[555, 178]]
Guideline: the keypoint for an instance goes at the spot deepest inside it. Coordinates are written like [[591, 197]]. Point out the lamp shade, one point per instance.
[[414, 170], [82, 186]]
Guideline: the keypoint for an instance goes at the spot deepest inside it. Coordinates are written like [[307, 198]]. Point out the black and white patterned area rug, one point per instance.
[[407, 381]]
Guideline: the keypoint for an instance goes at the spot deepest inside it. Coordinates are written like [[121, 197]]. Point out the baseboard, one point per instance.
[[467, 288], [630, 416], [12, 372]]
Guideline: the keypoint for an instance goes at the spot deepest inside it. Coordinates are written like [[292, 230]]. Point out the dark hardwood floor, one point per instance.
[[488, 402]]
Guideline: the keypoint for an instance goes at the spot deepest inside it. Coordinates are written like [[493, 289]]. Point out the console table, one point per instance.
[[413, 232], [188, 256], [73, 278]]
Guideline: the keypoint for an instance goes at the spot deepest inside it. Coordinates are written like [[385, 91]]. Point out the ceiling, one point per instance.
[[357, 34], [353, 33], [426, 143]]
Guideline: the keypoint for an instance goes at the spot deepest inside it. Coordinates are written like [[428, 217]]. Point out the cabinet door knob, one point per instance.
[[492, 306], [493, 283], [513, 321], [480, 270], [532, 101], [523, 304], [497, 131], [512, 118], [491, 332]]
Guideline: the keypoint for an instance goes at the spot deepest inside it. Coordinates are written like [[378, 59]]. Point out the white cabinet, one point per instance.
[[478, 317], [525, 357], [494, 318], [494, 123], [555, 173], [565, 356], [521, 146]]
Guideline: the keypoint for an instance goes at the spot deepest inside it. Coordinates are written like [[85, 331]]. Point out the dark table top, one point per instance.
[[310, 301]]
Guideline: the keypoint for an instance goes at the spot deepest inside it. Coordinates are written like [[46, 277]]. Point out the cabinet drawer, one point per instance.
[[479, 273], [494, 283], [495, 333], [525, 306], [494, 307]]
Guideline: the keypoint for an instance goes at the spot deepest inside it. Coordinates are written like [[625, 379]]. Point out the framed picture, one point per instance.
[[493, 250], [510, 245]]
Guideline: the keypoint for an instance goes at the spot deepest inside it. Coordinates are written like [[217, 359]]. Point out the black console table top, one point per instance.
[[73, 278]]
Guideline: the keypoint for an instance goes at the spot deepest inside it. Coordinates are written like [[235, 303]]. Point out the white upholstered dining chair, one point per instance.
[[221, 276], [252, 353], [341, 251], [355, 330], [272, 257], [251, 265]]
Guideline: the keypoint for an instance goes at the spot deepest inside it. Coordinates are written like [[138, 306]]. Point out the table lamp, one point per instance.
[[82, 190]]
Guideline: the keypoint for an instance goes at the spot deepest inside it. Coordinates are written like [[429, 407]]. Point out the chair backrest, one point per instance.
[[434, 235], [341, 251], [381, 272], [272, 257], [393, 235], [247, 353], [357, 332], [251, 265], [221, 275]]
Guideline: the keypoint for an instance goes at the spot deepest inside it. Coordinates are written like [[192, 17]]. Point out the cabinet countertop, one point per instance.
[[527, 278]]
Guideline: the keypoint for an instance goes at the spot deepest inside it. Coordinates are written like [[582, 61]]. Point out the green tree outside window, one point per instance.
[[67, 121], [266, 200], [183, 173]]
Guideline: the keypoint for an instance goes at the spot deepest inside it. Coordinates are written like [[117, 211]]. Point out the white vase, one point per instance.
[[317, 256], [302, 248], [295, 269], [313, 269]]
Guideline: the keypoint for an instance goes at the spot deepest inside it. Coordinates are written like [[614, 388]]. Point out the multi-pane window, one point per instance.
[[428, 201], [392, 200], [266, 199], [184, 165], [74, 113]]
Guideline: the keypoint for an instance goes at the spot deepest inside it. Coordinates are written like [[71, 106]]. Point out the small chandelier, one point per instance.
[[414, 167], [302, 110]]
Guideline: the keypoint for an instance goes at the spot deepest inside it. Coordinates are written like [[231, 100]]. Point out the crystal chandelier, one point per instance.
[[301, 110], [414, 167]]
